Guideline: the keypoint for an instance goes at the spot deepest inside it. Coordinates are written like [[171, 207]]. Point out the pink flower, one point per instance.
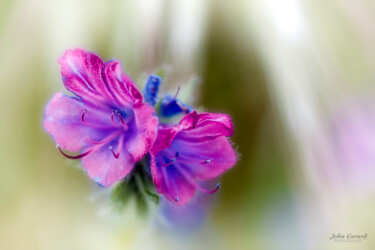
[[195, 149], [107, 120]]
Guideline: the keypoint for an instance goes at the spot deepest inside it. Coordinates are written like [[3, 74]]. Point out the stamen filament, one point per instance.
[[75, 157], [114, 154], [168, 163], [178, 91], [97, 145], [122, 121], [89, 124], [112, 118], [203, 162], [167, 184], [120, 117], [194, 182], [175, 96], [106, 140], [83, 116], [186, 110], [119, 148]]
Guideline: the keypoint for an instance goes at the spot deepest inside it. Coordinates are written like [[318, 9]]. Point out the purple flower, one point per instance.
[[195, 149], [106, 120]]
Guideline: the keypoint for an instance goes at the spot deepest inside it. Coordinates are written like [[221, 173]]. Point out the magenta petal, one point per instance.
[[205, 126], [172, 184], [82, 74], [194, 127], [122, 89], [189, 121], [144, 136], [63, 121], [104, 168], [220, 123], [166, 134], [205, 160]]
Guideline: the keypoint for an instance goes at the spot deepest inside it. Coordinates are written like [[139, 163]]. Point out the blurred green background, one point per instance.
[[296, 77]]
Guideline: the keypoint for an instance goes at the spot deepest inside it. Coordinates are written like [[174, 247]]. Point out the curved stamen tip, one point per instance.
[[169, 163], [112, 117], [209, 191], [215, 190], [74, 157], [114, 154], [83, 115], [176, 199]]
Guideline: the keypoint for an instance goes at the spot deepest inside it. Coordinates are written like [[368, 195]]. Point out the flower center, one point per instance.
[[97, 144], [116, 112]]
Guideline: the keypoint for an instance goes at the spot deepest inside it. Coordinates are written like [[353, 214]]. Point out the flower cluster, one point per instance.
[[113, 126]]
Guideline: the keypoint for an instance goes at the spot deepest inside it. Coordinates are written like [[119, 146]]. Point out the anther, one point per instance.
[[106, 140], [177, 154], [207, 161], [176, 199]]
